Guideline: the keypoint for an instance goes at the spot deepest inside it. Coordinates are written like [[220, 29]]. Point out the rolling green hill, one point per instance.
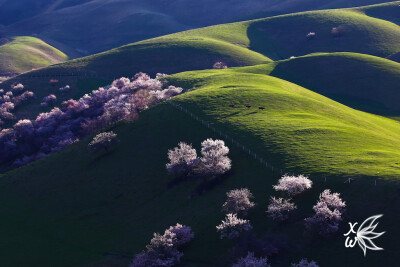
[[81, 211], [109, 24], [21, 54], [360, 81], [276, 38], [257, 42]]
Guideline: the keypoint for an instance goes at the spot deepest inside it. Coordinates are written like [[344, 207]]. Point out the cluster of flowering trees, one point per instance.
[[280, 208], [164, 250], [214, 159], [328, 213], [328, 210], [29, 140], [11, 100], [238, 203]]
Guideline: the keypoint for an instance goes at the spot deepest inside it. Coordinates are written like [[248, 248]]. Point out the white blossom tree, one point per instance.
[[103, 141], [293, 185], [214, 160], [328, 213], [238, 201], [182, 159], [232, 226], [280, 208], [163, 250]]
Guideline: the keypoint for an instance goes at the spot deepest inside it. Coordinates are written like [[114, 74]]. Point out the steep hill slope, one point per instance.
[[83, 212], [21, 54]]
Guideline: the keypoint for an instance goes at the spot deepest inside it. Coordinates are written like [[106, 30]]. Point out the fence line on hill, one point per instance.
[[262, 161]]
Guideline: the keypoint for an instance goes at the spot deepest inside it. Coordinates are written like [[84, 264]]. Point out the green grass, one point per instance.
[[168, 55], [74, 208], [360, 81], [285, 36], [309, 133], [246, 43], [23, 53], [387, 11]]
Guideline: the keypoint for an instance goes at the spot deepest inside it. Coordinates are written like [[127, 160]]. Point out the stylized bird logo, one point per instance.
[[364, 235]]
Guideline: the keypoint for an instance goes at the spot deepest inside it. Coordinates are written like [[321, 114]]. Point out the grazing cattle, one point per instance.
[[261, 108], [248, 106], [232, 105]]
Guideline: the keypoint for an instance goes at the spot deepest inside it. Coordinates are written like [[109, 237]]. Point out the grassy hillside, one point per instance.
[[21, 54], [256, 42], [360, 81], [388, 11], [276, 38], [81, 211], [168, 55], [286, 35], [395, 57], [316, 135], [118, 22]]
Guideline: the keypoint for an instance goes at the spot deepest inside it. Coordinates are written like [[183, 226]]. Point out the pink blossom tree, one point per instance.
[[293, 185], [17, 88], [183, 234], [48, 100], [163, 249], [182, 159], [328, 214], [280, 208], [252, 261], [238, 201], [214, 160], [232, 226]]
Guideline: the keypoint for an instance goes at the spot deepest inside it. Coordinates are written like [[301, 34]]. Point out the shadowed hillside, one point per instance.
[[118, 22], [84, 213]]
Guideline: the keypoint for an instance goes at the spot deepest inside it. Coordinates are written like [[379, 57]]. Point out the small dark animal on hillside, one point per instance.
[[232, 105], [261, 108], [248, 106]]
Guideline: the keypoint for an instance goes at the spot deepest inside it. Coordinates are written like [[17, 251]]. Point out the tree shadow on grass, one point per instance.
[[207, 184]]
